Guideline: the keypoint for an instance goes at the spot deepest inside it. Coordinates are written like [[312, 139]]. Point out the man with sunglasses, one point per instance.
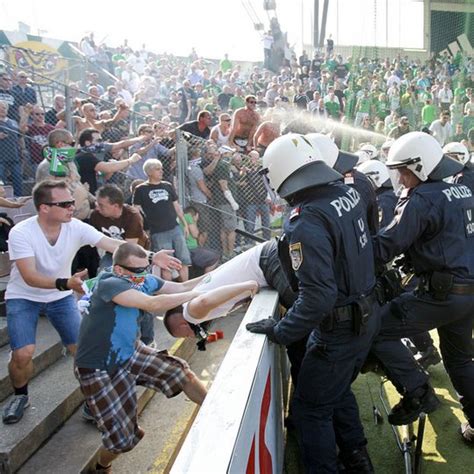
[[42, 249], [244, 124], [32, 123], [111, 362]]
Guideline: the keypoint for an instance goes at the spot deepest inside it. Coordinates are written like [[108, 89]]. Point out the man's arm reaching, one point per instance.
[[173, 287], [203, 304], [152, 304]]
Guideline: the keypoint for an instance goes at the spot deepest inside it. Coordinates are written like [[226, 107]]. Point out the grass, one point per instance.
[[444, 451]]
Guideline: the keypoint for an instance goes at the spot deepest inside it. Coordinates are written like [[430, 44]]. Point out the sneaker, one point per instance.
[[408, 409], [467, 432], [13, 412], [356, 461], [87, 414], [429, 357]]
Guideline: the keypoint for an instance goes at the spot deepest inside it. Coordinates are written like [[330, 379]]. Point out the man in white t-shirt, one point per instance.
[[230, 284], [441, 128], [41, 250]]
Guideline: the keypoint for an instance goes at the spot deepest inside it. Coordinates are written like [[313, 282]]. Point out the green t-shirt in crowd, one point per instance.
[[364, 104], [191, 242], [428, 114], [236, 102], [333, 108]]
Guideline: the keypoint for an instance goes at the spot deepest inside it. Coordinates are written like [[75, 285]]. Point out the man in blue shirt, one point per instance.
[[110, 360]]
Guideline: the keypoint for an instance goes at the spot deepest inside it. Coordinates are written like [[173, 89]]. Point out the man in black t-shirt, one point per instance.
[[90, 158], [199, 127], [159, 202]]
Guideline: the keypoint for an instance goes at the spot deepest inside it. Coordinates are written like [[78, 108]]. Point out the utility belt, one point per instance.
[[440, 285], [358, 312]]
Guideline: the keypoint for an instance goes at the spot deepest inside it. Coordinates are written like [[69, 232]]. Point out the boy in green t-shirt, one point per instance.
[[428, 113], [203, 258]]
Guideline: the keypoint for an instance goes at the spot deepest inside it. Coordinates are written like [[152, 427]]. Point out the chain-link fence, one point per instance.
[[224, 192]]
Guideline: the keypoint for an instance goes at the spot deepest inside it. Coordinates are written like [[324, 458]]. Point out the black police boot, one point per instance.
[[429, 357], [408, 409], [356, 461]]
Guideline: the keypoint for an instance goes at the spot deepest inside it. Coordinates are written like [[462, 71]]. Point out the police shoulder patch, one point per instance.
[[295, 212], [296, 255], [349, 178]]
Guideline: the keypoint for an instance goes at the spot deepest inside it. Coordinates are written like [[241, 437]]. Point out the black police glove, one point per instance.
[[264, 326]]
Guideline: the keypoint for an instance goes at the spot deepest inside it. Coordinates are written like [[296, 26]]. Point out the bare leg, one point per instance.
[[194, 389], [212, 267], [202, 239], [231, 241], [184, 273], [166, 275], [225, 249], [20, 366], [106, 457], [72, 348]]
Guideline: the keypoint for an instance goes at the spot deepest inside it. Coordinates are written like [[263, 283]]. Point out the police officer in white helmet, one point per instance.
[[332, 256], [434, 226]]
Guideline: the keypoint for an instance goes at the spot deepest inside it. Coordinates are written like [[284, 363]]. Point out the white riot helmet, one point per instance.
[[292, 163], [384, 149], [362, 157], [423, 156], [377, 172], [370, 150], [457, 151], [342, 162]]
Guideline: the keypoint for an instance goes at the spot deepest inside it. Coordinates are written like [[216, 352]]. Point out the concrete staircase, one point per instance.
[[52, 435]]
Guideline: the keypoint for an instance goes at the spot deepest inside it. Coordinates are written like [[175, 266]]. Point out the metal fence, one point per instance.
[[227, 222]]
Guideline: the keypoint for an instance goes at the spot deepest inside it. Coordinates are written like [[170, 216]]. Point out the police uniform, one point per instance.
[[357, 180], [331, 253], [386, 201], [332, 257], [466, 177], [434, 227]]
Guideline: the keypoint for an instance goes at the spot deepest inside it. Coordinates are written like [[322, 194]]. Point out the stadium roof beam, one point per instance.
[[324, 20]]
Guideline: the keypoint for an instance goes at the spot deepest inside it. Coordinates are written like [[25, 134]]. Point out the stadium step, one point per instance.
[[63, 454], [54, 396], [3, 332], [48, 350]]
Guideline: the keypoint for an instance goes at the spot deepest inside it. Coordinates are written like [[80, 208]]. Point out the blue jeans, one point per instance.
[[251, 216], [22, 320], [15, 170]]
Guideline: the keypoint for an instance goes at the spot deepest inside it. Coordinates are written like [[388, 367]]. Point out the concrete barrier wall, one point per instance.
[[239, 427]]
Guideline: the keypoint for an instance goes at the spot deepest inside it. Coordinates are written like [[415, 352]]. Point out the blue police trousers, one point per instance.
[[324, 408], [411, 314]]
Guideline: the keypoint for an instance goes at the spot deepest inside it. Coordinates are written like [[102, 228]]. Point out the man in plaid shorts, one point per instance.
[[110, 358]]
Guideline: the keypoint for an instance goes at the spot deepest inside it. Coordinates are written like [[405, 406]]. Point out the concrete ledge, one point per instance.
[[54, 395], [48, 350]]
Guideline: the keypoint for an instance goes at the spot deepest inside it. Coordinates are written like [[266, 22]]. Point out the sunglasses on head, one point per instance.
[[134, 269], [62, 204]]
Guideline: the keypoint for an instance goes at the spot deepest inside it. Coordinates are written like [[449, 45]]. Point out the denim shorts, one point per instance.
[[22, 320], [172, 240]]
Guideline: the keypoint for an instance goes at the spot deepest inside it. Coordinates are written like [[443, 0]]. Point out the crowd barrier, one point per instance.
[[239, 428]]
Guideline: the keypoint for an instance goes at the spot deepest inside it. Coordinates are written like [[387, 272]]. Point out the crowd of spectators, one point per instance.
[[227, 115]]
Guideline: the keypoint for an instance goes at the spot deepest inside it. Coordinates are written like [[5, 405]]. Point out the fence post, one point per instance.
[[181, 166], [67, 96]]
